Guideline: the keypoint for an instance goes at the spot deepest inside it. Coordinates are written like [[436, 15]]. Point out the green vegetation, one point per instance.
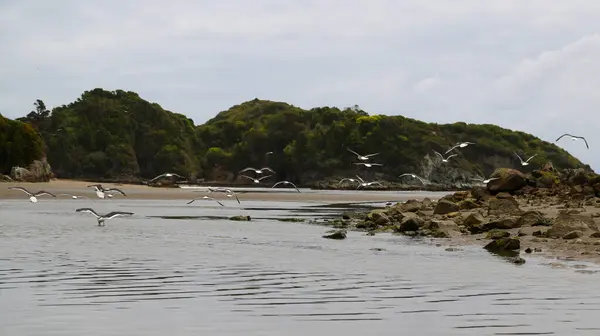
[[20, 144], [119, 135]]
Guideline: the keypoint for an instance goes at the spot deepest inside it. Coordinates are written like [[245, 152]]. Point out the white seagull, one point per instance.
[[102, 218], [32, 196], [442, 157], [258, 171], [362, 157], [460, 145], [286, 182], [347, 179], [413, 176], [362, 183], [256, 180], [167, 175], [574, 138], [205, 197], [73, 196], [101, 192], [228, 192], [368, 165], [524, 163], [487, 180]]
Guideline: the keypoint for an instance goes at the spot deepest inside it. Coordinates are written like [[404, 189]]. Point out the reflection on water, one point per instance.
[[153, 274]]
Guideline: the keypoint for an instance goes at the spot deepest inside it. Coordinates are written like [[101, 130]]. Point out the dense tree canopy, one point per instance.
[[20, 144], [108, 134]]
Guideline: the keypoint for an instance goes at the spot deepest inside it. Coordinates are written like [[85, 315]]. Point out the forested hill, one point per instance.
[[117, 134]]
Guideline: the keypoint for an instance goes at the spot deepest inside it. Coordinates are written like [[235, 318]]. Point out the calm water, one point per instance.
[[179, 269]]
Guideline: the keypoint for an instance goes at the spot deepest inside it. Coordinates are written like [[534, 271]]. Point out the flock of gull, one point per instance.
[[107, 193]]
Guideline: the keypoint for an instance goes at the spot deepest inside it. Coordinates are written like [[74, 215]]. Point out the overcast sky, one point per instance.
[[531, 65]]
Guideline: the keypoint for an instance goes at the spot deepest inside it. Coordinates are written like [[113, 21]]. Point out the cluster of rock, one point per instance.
[[37, 171], [539, 207]]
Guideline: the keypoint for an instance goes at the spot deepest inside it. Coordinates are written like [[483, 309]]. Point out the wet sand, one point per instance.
[[133, 191]]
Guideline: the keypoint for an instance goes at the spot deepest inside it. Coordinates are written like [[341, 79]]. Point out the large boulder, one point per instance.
[[567, 222], [503, 207], [37, 171], [509, 180], [444, 207]]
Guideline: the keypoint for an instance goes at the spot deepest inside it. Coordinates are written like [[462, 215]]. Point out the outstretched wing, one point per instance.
[[520, 159], [531, 157], [248, 177], [586, 143], [449, 150], [20, 188], [376, 164], [237, 199], [115, 189], [369, 155], [246, 169], [448, 158], [117, 214], [440, 155], [264, 177], [195, 199], [43, 192], [360, 179], [268, 169], [350, 150], [564, 135], [90, 210]]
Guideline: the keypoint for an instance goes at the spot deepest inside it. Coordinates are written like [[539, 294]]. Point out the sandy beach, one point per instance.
[[134, 191]]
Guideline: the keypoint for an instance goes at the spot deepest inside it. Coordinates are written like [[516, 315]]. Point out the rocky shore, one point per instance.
[[547, 212]]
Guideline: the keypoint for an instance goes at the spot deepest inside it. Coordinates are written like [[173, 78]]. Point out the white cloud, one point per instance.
[[528, 65]]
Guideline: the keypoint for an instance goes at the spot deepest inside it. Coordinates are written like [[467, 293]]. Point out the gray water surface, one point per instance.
[[177, 269]]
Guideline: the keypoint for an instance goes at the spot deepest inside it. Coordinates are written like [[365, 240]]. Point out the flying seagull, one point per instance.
[[442, 157], [574, 138], [73, 196], [228, 192], [255, 180], [258, 171], [167, 175], [460, 145], [347, 179], [286, 182], [525, 163], [413, 176], [362, 182], [205, 197], [101, 192], [102, 218], [362, 157], [32, 196], [368, 165], [487, 180]]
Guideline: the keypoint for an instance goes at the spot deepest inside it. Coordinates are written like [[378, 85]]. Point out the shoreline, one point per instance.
[[141, 192]]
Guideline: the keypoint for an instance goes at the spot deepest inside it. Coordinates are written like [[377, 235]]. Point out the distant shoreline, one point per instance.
[[140, 191]]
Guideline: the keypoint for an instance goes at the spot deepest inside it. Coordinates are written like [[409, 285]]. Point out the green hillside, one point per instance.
[[117, 134], [20, 144]]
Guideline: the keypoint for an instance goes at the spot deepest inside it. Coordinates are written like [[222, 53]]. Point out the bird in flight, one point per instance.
[[255, 180], [413, 176], [32, 196], [574, 138], [73, 196], [442, 157], [459, 145], [368, 165], [258, 171], [286, 182], [362, 182], [347, 179], [526, 162], [102, 218], [486, 181], [228, 192], [101, 192], [205, 197], [362, 157], [167, 175]]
